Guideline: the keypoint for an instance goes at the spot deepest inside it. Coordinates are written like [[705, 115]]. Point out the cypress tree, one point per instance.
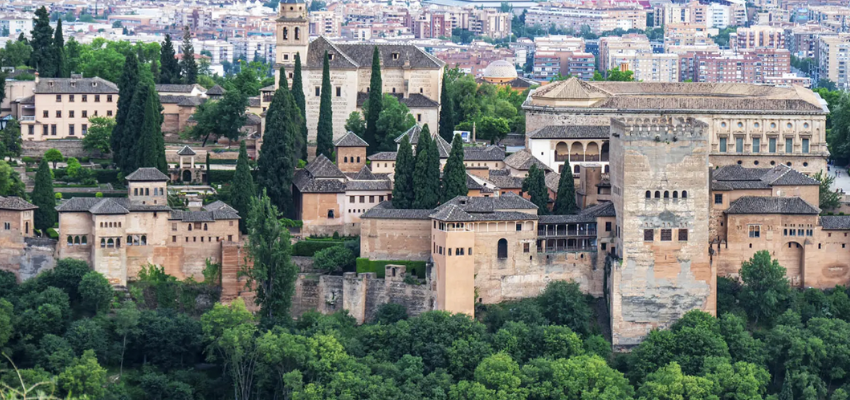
[[155, 71], [169, 68], [188, 66], [535, 185], [325, 129], [43, 197], [376, 102], [41, 57], [447, 121], [149, 146], [276, 165], [403, 176], [126, 87], [565, 202], [59, 50], [426, 180], [454, 173], [787, 392], [242, 187], [298, 94]]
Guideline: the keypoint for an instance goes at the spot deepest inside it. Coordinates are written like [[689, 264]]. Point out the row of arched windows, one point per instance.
[[197, 226], [137, 240], [110, 224], [110, 243], [286, 33], [147, 192], [80, 240], [346, 159], [666, 194]]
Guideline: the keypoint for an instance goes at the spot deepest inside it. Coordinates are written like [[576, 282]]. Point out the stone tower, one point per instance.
[[660, 190], [293, 35]]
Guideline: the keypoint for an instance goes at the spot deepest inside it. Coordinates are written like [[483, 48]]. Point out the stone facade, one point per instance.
[[664, 269]]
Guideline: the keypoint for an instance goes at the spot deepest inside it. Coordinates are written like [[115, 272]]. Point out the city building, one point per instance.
[[832, 59], [575, 18], [758, 36]]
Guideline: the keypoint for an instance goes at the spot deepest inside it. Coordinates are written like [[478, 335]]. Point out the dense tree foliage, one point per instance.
[[534, 185], [454, 173], [426, 172], [169, 71], [242, 188], [565, 200], [301, 102], [42, 196], [403, 183], [447, 121], [223, 118], [278, 154], [188, 65], [494, 111], [325, 128], [375, 98], [42, 56]]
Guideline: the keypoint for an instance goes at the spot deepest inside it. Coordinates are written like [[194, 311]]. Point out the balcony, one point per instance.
[[565, 230], [552, 246], [27, 118]]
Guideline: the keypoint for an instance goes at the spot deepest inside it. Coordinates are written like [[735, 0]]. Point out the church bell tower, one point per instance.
[[293, 35]]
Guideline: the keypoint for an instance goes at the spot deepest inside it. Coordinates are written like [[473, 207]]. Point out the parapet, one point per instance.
[[659, 128]]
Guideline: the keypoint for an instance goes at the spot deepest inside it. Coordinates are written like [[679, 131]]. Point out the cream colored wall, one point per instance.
[[352, 210], [150, 199], [47, 102], [350, 159], [342, 106], [16, 90], [455, 274], [395, 239], [382, 167]]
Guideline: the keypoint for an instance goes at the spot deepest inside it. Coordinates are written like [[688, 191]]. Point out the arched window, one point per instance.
[[144, 240], [648, 194], [675, 194], [129, 240], [135, 191], [502, 249], [297, 33], [205, 226], [285, 33], [657, 194], [70, 240], [358, 158], [345, 159], [190, 227], [110, 243], [102, 242], [147, 192], [684, 194], [576, 169], [666, 194], [85, 240], [76, 240]]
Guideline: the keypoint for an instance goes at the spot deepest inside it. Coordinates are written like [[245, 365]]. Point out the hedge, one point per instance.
[[67, 195], [52, 233], [225, 176], [378, 267], [107, 175], [307, 248]]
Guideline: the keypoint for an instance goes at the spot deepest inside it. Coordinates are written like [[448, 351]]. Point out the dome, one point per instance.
[[500, 70]]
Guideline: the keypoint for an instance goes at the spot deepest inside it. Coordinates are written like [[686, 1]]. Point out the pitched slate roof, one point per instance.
[[364, 175], [736, 177], [502, 208], [186, 151], [507, 201], [489, 153], [351, 140], [216, 90], [118, 205], [383, 156], [834, 222], [385, 210], [504, 180], [553, 180], [523, 160], [320, 176], [605, 209], [414, 100], [15, 203], [192, 101], [177, 88], [75, 86], [772, 205], [147, 175], [392, 55], [571, 132], [322, 167], [254, 101]]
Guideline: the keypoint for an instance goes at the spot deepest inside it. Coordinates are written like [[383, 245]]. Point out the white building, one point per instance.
[[16, 25]]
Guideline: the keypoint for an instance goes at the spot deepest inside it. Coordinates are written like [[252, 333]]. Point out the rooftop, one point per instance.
[[772, 205], [75, 86]]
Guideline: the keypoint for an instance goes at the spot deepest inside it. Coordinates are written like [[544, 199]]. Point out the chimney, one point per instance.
[[36, 77]]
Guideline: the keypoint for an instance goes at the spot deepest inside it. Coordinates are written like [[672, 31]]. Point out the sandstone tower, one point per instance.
[[293, 35], [659, 187]]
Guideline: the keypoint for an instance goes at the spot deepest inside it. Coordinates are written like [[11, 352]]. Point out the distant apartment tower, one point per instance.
[[650, 67], [833, 61], [623, 46], [752, 66], [759, 36], [548, 64], [326, 23]]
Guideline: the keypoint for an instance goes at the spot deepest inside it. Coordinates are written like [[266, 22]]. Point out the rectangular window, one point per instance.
[[683, 235], [518, 227], [792, 232], [70, 98], [31, 130], [174, 227], [44, 130], [109, 98], [754, 231], [318, 91], [53, 130], [801, 232], [723, 145], [351, 198], [174, 239], [85, 114], [666, 235], [85, 129], [805, 146], [771, 145], [58, 113], [718, 199], [71, 129], [418, 117], [608, 227], [85, 98], [789, 145], [58, 98], [108, 113], [97, 98], [371, 199], [526, 247], [739, 145], [45, 114], [338, 91], [362, 199], [648, 235], [756, 145], [71, 114]]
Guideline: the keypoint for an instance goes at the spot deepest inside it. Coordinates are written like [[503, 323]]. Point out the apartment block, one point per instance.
[[650, 67], [686, 34], [597, 19], [832, 58], [759, 36], [622, 46], [326, 23], [802, 40], [548, 64], [752, 66]]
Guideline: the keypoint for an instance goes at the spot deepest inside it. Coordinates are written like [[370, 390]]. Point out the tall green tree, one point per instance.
[[454, 173], [829, 198], [565, 202], [122, 143], [99, 136], [403, 178], [426, 181], [272, 272], [150, 145], [355, 124], [42, 44], [188, 65], [276, 164], [766, 286], [12, 144], [375, 102], [59, 51], [447, 122], [325, 129], [242, 188], [168, 64], [224, 117], [298, 94], [394, 120], [42, 196], [535, 185]]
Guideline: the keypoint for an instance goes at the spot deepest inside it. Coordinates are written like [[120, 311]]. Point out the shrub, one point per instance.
[[98, 195], [51, 233], [107, 175], [333, 259], [308, 248], [390, 313], [58, 196]]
